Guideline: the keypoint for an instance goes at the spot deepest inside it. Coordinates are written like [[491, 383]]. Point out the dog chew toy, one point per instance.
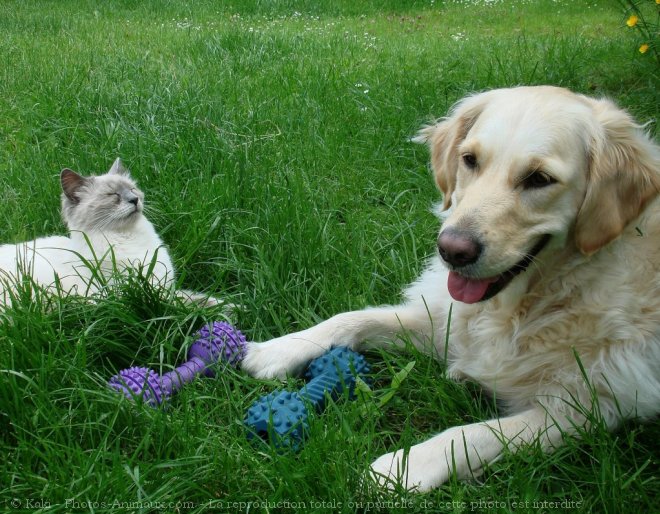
[[282, 416], [216, 342]]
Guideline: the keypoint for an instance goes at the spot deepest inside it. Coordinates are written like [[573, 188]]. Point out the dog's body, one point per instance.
[[551, 250]]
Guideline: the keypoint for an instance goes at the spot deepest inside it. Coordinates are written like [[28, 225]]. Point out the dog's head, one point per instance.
[[530, 170]]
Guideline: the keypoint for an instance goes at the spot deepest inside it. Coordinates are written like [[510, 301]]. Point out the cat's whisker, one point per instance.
[[151, 208], [153, 213]]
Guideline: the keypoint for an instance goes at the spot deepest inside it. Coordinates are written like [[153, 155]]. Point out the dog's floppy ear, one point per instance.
[[443, 139], [623, 176]]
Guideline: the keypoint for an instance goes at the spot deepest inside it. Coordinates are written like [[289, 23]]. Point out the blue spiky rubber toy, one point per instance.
[[282, 417]]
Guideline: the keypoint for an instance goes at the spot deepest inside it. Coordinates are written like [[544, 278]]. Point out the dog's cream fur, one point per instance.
[[591, 296]]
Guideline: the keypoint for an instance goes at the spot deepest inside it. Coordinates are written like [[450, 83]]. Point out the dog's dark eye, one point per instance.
[[470, 160], [537, 179]]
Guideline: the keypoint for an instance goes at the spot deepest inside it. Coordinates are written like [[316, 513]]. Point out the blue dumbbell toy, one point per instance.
[[281, 417]]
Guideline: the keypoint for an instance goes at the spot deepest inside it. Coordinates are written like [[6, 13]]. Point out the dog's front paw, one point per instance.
[[280, 357], [418, 471]]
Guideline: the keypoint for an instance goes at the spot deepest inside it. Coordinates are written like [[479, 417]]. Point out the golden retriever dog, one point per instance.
[[549, 252]]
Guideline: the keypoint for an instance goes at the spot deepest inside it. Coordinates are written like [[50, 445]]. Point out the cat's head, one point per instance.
[[110, 202]]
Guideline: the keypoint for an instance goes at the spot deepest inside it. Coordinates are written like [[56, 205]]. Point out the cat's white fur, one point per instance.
[[108, 232]]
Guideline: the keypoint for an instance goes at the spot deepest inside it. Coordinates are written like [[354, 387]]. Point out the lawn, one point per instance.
[[271, 140]]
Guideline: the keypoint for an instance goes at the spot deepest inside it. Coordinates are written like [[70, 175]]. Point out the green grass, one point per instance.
[[271, 140]]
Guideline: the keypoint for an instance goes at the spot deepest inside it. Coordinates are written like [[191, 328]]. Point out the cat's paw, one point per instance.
[[202, 300]]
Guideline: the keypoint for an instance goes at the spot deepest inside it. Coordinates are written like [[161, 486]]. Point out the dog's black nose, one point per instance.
[[458, 248]]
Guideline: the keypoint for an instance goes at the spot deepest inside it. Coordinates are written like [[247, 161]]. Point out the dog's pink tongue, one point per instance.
[[467, 290]]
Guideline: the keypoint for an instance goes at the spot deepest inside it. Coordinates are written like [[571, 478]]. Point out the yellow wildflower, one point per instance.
[[644, 48], [632, 21]]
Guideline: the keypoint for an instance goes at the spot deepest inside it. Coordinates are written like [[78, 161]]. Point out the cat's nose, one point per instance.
[[131, 197]]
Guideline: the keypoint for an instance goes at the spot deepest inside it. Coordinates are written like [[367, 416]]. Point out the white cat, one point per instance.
[[108, 233]]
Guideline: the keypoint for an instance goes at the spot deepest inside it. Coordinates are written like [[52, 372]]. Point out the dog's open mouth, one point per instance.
[[473, 290]]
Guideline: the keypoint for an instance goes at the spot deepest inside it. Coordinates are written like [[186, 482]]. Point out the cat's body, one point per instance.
[[70, 263], [108, 233]]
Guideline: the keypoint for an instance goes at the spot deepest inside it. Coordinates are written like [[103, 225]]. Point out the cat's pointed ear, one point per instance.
[[118, 168], [71, 183]]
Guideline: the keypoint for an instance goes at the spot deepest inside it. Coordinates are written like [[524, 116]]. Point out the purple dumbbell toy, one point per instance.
[[218, 341], [281, 417]]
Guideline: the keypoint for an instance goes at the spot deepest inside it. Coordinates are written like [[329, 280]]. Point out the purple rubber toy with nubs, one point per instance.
[[217, 342]]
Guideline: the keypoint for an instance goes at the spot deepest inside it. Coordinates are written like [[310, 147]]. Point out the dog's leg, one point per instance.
[[291, 353], [464, 450]]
